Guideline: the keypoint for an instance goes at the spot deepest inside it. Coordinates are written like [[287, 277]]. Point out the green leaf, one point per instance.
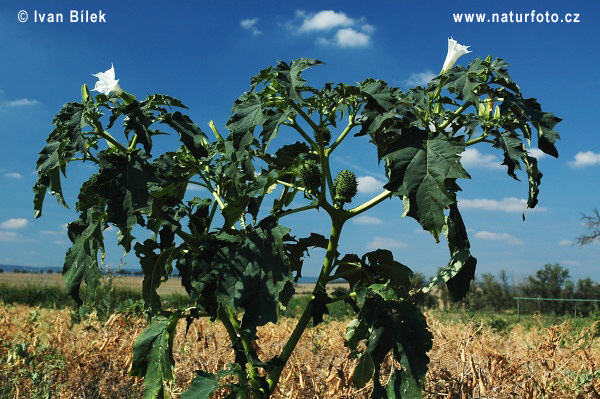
[[203, 385], [420, 169], [363, 372], [461, 269], [296, 250], [390, 325], [190, 134], [289, 77], [153, 355], [156, 268], [123, 183], [251, 275], [81, 260], [63, 143], [247, 114], [136, 120]]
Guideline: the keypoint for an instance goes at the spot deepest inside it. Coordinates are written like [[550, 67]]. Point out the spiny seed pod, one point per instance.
[[310, 176], [345, 186]]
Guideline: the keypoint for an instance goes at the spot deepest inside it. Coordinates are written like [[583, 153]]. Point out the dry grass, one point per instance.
[[91, 359]]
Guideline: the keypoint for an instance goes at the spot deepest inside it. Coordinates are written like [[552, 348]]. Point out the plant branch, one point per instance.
[[370, 204], [296, 210], [290, 185], [342, 136], [456, 113], [307, 118], [299, 129], [288, 349]]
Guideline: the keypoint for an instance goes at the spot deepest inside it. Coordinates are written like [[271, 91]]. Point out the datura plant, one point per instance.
[[237, 259]]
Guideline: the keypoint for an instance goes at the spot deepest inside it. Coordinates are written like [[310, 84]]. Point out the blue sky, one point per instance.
[[205, 53]]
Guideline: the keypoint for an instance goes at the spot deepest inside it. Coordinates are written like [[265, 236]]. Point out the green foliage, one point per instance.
[[238, 263]]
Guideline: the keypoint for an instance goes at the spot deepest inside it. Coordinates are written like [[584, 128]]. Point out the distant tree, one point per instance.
[[491, 293], [49, 271], [1, 270], [592, 222], [553, 281], [587, 289], [425, 300]]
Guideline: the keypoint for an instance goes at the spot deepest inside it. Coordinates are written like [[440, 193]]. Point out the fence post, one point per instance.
[[518, 310]]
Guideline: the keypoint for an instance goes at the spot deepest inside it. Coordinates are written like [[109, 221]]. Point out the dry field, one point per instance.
[[43, 355], [171, 286]]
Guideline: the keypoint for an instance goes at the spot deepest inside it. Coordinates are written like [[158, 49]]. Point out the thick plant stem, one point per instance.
[[336, 229]]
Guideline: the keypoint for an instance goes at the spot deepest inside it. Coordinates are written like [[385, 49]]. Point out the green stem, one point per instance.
[[343, 297], [248, 347], [456, 113], [233, 336], [371, 203], [307, 118], [336, 228], [342, 136], [106, 136], [299, 129], [133, 142], [286, 184], [296, 210]]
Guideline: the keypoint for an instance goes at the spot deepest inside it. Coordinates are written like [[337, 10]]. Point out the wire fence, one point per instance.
[[582, 308]]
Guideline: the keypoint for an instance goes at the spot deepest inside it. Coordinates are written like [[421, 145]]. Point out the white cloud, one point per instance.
[[21, 102], [14, 223], [369, 184], [9, 236], [349, 32], [349, 37], [13, 175], [420, 78], [59, 242], [471, 157], [384, 243], [509, 204], [537, 153], [565, 243], [324, 20], [367, 220], [488, 235], [250, 25], [583, 159]]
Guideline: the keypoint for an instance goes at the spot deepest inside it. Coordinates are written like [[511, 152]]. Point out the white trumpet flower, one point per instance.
[[455, 51], [107, 82]]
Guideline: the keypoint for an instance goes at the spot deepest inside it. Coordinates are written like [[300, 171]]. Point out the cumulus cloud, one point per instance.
[[471, 157], [250, 25], [384, 243], [15, 223], [324, 20], [21, 102], [369, 184], [420, 78], [586, 158], [349, 32], [509, 204], [13, 175], [537, 153], [367, 220], [565, 243], [348, 37], [488, 235]]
